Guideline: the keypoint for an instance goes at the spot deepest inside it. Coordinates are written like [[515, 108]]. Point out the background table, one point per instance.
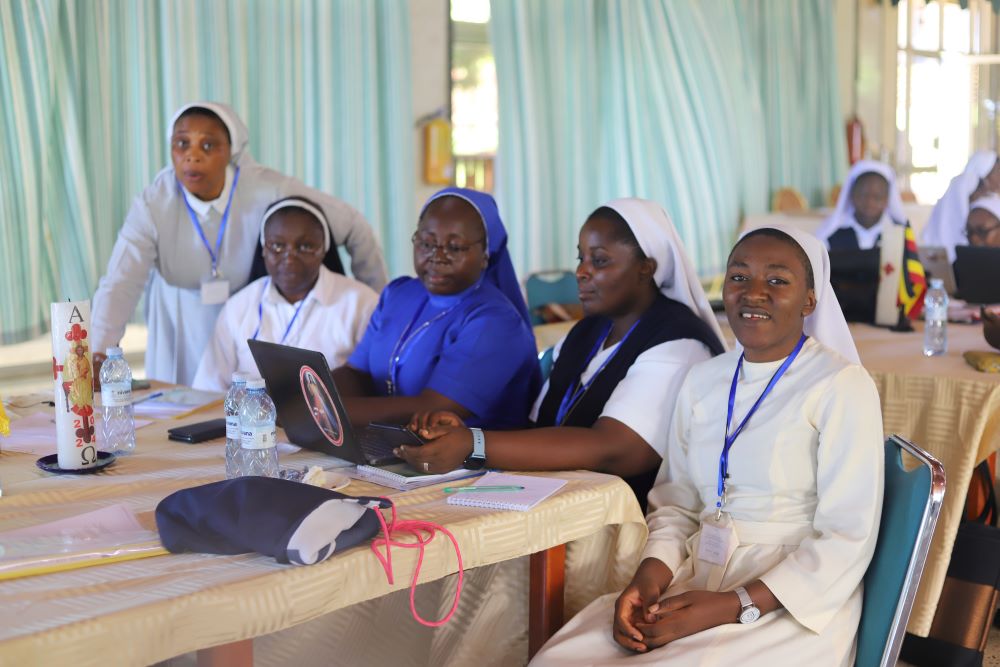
[[148, 610]]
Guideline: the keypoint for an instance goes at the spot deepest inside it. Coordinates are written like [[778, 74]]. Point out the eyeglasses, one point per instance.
[[426, 246], [980, 232], [300, 249]]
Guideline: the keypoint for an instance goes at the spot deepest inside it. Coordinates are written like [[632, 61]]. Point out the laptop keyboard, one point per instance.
[[375, 447]]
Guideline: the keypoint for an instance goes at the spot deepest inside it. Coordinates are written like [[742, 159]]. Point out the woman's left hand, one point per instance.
[[443, 454], [687, 614]]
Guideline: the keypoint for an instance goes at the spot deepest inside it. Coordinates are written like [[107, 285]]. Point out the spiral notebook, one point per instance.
[[536, 489]]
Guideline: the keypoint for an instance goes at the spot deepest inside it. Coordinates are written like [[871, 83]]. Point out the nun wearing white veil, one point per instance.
[[983, 225], [190, 238], [869, 201], [607, 403], [765, 514], [946, 226]]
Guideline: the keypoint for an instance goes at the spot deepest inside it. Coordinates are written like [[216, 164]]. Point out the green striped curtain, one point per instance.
[[706, 107], [89, 86]]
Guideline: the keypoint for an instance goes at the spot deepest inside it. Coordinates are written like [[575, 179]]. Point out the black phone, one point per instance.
[[396, 434], [209, 430]]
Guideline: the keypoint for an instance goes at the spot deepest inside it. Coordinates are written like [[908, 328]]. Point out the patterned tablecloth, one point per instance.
[[144, 611]]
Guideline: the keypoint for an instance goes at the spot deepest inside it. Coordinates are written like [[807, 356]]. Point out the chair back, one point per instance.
[[545, 287], [788, 200], [545, 362], [910, 509]]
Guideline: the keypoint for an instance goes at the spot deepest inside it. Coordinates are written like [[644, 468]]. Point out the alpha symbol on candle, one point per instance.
[[75, 316]]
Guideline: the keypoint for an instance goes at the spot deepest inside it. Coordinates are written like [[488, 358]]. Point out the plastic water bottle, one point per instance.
[[935, 319], [258, 443], [118, 431], [237, 390]]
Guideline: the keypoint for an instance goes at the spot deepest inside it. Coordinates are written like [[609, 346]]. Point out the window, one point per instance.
[[946, 91], [473, 95]]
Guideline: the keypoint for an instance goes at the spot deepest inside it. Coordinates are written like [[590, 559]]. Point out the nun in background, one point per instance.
[[607, 404], [458, 336], [868, 201], [983, 225], [190, 238], [300, 302], [946, 227]]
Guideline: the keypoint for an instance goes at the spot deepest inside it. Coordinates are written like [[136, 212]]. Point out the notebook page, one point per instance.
[[536, 489]]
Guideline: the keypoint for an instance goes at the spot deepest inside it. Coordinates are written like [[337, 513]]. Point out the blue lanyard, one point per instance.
[[576, 390], [731, 437], [222, 225], [260, 313], [397, 356]]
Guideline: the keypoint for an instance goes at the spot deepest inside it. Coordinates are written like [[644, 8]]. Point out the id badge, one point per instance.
[[214, 291], [717, 542]]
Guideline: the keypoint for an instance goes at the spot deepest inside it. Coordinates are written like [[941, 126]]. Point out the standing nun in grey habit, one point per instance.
[[190, 238]]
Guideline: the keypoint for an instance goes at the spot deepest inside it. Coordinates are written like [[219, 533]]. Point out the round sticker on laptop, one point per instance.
[[321, 406]]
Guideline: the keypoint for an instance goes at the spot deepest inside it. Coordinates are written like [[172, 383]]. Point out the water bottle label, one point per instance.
[[233, 427], [116, 394], [258, 437]]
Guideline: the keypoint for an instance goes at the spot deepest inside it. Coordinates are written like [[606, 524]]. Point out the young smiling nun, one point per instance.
[[608, 401], [755, 557], [300, 302], [189, 240]]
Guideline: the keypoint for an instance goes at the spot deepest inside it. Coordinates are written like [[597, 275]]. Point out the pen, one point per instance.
[[148, 398], [463, 489]]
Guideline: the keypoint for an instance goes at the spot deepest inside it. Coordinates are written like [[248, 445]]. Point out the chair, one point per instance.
[[831, 201], [550, 287], [789, 200], [545, 362], [910, 510]]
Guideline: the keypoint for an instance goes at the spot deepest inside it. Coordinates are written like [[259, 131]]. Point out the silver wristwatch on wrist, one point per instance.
[[477, 459], [749, 612]]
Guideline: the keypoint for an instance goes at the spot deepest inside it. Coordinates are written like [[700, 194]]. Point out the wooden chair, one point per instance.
[[788, 200]]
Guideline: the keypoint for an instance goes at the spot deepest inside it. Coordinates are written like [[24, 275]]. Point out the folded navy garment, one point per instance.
[[293, 522]]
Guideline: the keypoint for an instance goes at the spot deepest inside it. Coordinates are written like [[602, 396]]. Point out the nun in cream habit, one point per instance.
[[946, 226], [160, 251], [802, 506]]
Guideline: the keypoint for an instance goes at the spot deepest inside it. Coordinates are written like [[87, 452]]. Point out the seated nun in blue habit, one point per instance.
[[608, 401], [868, 201], [457, 337], [299, 302]]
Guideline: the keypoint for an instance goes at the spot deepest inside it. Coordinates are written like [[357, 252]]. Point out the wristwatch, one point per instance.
[[749, 612], [477, 459]]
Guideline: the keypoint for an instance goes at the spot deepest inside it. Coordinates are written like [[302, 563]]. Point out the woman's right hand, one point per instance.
[[99, 359], [631, 607], [431, 425]]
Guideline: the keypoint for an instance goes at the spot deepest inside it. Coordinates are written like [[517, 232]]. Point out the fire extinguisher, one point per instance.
[[855, 139]]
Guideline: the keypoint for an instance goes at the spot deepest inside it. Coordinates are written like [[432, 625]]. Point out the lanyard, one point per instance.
[[260, 313], [576, 390], [731, 437], [397, 357], [222, 225]]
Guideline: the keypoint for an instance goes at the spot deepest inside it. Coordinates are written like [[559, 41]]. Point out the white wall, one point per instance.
[[430, 76]]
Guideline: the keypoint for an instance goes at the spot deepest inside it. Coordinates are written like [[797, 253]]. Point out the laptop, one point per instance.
[[936, 265], [854, 275], [977, 274], [312, 413]]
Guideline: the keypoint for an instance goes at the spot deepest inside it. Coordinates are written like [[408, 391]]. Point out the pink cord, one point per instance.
[[423, 531]]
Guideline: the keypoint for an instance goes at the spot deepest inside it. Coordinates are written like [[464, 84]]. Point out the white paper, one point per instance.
[[716, 543], [36, 434], [113, 519]]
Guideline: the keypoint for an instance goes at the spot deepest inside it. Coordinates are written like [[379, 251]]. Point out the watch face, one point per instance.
[[474, 463], [749, 615]]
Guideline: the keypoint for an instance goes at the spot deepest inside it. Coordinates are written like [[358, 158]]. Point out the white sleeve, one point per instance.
[[366, 303], [814, 581], [122, 285], [674, 502], [654, 380], [215, 371], [545, 387]]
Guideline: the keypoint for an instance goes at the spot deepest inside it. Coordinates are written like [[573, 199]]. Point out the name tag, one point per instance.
[[717, 543], [214, 291]]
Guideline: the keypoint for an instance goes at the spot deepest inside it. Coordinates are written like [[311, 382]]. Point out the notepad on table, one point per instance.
[[536, 489]]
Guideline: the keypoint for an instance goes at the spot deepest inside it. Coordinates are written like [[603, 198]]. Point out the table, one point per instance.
[[148, 610]]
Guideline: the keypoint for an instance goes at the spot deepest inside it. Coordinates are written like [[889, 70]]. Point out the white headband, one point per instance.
[[294, 202]]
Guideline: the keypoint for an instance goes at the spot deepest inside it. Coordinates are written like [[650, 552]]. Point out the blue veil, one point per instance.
[[499, 270]]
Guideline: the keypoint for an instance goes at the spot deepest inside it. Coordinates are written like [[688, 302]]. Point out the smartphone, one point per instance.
[[396, 434], [208, 430]]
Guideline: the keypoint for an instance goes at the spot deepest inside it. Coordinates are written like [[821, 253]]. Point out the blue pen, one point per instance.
[[148, 398]]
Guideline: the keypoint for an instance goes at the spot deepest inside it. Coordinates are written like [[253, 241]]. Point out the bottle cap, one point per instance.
[[255, 383], [937, 283], [114, 352], [240, 377]]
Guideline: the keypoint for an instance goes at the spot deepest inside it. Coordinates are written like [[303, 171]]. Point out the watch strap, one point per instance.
[[478, 443], [745, 600]]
